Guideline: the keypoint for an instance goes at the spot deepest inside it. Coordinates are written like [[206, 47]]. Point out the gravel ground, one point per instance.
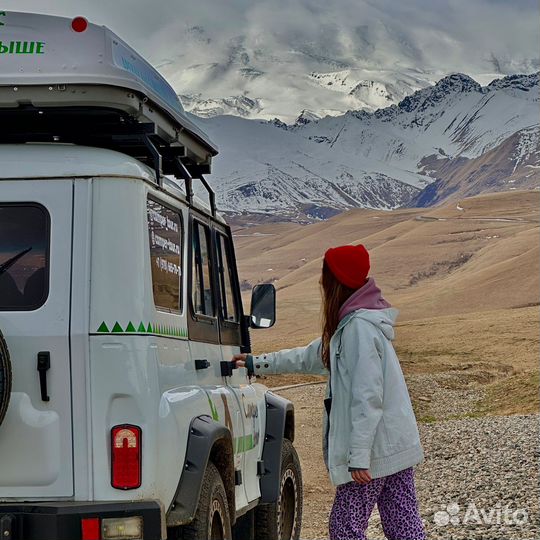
[[444, 396], [477, 473]]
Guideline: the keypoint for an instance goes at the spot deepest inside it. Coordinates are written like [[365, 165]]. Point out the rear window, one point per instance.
[[24, 256]]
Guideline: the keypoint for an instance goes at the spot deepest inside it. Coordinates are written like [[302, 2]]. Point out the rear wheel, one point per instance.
[[282, 520], [212, 520], [5, 378]]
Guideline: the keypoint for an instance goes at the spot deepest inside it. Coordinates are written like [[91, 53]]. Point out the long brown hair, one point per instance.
[[335, 294]]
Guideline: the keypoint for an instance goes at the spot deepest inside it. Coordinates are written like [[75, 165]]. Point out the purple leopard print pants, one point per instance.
[[395, 496]]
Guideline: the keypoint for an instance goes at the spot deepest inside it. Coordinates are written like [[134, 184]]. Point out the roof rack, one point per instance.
[[104, 127], [60, 84]]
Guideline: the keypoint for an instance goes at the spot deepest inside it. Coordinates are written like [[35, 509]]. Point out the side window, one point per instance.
[[203, 300], [24, 257], [165, 233], [229, 308]]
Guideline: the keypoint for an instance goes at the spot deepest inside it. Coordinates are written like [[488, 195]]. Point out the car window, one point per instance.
[[203, 300], [24, 257], [165, 235], [229, 308]]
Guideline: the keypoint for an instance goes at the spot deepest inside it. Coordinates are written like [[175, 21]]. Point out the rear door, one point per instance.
[[35, 283]]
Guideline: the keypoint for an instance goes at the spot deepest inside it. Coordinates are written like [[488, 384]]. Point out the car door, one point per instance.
[[204, 341], [230, 314], [35, 286]]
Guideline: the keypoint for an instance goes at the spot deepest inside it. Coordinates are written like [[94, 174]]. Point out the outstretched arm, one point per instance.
[[298, 360]]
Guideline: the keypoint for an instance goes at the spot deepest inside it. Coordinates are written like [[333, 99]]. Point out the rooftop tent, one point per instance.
[[71, 81]]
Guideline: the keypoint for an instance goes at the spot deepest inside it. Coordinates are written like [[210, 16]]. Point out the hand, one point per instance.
[[361, 476], [240, 360]]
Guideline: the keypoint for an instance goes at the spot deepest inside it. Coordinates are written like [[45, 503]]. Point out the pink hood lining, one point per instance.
[[368, 296]]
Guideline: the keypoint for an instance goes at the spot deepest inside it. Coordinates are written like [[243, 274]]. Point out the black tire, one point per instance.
[[212, 520], [5, 378], [282, 520]]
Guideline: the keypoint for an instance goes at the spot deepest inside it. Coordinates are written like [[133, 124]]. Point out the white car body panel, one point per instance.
[[143, 378]]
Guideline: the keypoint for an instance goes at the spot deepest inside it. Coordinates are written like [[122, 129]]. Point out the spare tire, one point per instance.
[[5, 378]]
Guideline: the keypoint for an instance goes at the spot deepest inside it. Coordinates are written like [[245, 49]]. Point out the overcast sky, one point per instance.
[[506, 27]]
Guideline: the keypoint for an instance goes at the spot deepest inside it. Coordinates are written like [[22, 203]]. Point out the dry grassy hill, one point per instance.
[[465, 277]]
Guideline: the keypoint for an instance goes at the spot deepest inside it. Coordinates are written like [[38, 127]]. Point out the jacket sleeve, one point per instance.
[[299, 360], [364, 367]]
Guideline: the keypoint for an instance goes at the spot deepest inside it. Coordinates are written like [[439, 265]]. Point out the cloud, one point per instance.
[[472, 28], [214, 47]]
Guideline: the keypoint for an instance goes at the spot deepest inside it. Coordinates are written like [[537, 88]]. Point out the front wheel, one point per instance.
[[212, 520], [282, 520]]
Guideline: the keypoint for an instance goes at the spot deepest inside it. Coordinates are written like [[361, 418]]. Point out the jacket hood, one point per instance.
[[368, 296], [384, 319]]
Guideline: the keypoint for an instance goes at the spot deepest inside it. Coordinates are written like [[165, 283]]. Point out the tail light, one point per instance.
[[126, 457], [91, 529]]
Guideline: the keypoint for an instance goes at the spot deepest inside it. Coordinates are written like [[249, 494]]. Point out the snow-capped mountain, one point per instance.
[[513, 164], [383, 159], [323, 93], [273, 58]]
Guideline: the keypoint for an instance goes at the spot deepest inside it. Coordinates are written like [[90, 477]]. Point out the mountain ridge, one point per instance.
[[318, 167]]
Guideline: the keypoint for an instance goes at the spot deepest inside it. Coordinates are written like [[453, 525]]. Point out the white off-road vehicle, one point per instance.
[[121, 414]]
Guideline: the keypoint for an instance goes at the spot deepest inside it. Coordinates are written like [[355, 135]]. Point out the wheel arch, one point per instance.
[[289, 424], [208, 440], [222, 456], [279, 426]]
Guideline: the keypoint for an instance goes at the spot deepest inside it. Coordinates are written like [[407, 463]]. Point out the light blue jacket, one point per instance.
[[372, 423]]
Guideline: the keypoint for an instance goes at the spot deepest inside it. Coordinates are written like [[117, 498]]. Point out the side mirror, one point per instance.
[[263, 306]]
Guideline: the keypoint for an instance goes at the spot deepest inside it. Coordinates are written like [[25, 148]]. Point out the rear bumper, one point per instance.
[[62, 520]]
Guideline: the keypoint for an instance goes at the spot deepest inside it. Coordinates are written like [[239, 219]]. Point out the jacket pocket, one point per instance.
[[401, 432], [381, 443]]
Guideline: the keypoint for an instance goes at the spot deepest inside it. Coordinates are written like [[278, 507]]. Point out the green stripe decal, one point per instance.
[[130, 327], [155, 329], [103, 329], [213, 409], [244, 444]]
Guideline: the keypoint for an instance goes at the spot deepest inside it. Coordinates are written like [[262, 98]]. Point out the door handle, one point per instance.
[[227, 368], [202, 364], [43, 365]]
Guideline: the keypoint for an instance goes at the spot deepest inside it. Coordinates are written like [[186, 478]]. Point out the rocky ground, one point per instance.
[[480, 476]]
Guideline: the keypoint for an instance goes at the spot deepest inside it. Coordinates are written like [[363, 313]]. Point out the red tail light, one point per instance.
[[91, 529], [126, 457]]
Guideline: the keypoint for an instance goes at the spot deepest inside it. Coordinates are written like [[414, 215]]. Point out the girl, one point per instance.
[[370, 436]]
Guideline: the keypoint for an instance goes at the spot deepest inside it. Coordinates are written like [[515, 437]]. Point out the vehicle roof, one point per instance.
[[47, 51], [56, 160]]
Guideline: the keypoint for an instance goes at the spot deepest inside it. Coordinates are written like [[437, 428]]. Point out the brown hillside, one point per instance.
[[464, 277], [429, 262]]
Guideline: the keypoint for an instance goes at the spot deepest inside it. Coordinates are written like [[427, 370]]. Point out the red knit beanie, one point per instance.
[[349, 264]]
